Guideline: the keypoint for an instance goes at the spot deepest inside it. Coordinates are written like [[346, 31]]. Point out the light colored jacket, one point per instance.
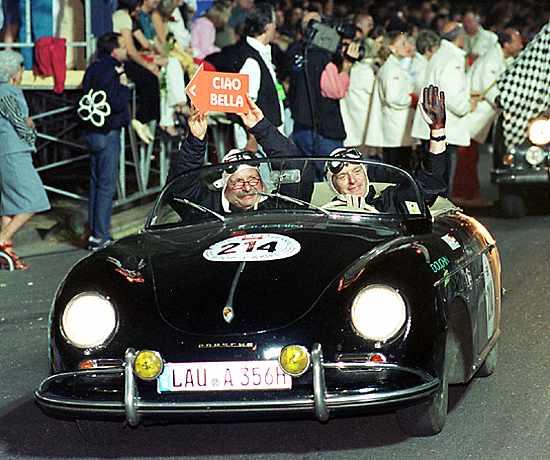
[[356, 104], [480, 43], [481, 75], [418, 69], [391, 112], [14, 132], [446, 69]]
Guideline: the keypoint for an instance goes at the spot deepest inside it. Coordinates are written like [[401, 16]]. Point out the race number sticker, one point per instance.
[[489, 295], [255, 247]]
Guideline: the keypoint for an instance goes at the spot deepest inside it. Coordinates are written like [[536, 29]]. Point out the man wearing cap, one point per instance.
[[350, 181], [240, 185]]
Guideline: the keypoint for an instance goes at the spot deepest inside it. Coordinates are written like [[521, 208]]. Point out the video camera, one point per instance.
[[328, 36]]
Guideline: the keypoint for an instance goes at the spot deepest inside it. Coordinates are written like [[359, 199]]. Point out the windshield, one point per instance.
[[348, 188]]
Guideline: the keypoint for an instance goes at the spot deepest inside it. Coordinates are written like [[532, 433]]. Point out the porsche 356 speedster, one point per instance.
[[305, 305]]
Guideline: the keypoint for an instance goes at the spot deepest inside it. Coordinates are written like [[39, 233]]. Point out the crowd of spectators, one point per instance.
[[327, 73]]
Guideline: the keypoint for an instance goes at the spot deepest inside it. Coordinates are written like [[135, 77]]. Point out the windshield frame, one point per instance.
[[337, 215]]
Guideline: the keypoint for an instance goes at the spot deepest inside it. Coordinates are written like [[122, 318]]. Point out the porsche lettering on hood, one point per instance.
[[192, 291]]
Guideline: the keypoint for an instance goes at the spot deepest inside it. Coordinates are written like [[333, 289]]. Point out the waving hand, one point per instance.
[[433, 107]]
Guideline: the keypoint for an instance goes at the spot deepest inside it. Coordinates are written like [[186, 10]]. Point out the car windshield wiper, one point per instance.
[[200, 207], [293, 200]]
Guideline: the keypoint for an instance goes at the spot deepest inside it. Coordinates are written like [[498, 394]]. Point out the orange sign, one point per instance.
[[218, 91]]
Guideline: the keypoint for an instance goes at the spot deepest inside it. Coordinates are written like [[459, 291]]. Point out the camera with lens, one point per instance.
[[333, 37]]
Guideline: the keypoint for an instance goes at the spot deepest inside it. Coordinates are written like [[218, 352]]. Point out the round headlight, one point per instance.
[[539, 131], [534, 155], [378, 312], [89, 320]]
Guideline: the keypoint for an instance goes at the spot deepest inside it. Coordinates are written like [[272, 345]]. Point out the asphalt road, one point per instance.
[[505, 416]]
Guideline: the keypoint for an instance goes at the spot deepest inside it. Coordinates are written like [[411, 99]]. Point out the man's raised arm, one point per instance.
[[191, 151], [269, 137]]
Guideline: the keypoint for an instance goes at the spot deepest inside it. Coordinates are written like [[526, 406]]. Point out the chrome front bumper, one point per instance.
[[531, 177], [133, 408]]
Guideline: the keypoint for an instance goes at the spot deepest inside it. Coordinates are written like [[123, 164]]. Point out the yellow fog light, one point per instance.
[[148, 365], [294, 360]]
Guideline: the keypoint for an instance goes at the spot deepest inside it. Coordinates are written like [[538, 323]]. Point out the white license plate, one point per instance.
[[223, 376]]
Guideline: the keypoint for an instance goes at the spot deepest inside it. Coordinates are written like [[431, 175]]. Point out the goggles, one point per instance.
[[237, 156], [336, 166]]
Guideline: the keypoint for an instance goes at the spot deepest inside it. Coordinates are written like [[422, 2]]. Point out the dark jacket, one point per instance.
[[429, 175], [232, 58], [308, 106], [102, 75]]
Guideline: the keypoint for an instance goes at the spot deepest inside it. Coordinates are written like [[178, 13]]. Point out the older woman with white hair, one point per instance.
[[21, 191]]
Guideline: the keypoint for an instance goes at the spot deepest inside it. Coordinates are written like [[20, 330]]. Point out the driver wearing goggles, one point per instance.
[[242, 185]]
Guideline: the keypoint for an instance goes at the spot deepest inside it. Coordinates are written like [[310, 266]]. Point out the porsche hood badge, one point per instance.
[[228, 314]]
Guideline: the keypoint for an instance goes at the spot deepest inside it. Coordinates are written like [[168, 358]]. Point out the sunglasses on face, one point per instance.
[[336, 166]]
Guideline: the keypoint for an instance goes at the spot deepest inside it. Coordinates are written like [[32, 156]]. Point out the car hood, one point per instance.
[[192, 291]]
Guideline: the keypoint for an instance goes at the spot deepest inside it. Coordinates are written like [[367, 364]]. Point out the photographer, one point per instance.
[[319, 79]]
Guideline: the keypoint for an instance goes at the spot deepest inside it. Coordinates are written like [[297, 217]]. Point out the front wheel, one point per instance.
[[512, 204], [428, 418]]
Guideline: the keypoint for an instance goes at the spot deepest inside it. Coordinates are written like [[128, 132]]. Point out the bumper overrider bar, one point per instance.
[[134, 408]]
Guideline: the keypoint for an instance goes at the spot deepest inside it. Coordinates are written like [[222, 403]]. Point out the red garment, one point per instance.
[[466, 181], [414, 100], [207, 65], [50, 54]]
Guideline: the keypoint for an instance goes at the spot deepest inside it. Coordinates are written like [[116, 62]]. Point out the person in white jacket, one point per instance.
[[356, 104], [393, 104], [482, 77], [477, 40], [427, 43], [446, 69]]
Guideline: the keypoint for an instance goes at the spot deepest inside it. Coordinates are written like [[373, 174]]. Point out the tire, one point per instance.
[[428, 418], [512, 204], [490, 363]]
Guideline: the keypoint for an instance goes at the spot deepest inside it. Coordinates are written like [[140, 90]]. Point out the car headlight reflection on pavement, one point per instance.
[[89, 320], [378, 312]]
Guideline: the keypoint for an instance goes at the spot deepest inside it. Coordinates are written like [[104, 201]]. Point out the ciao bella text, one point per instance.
[[226, 99]]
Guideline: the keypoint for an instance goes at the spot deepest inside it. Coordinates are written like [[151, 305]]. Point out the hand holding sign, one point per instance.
[[254, 114], [198, 123], [218, 91]]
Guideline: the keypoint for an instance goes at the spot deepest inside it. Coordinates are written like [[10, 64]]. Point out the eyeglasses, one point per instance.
[[239, 183], [336, 166]]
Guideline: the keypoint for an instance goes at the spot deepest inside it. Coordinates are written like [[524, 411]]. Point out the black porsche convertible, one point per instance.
[[307, 305]]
